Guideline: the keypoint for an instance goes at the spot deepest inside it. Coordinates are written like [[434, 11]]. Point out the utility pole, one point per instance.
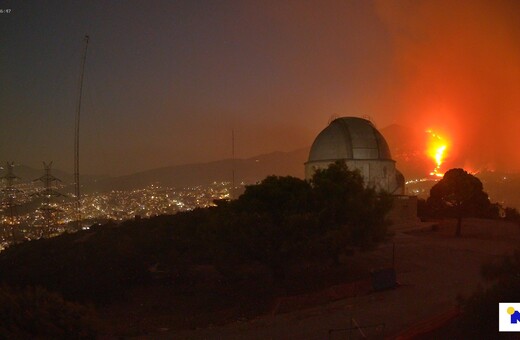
[[232, 164], [76, 139]]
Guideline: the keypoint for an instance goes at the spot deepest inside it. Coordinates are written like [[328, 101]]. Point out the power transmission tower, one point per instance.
[[48, 208], [9, 202], [76, 139]]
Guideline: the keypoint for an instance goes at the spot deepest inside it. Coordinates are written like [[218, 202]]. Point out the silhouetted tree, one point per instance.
[[351, 211], [459, 194], [286, 219], [35, 313], [271, 223], [338, 193], [511, 214], [277, 196], [278, 223]]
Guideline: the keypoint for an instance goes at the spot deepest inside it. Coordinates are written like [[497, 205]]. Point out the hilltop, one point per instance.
[[410, 157], [250, 170]]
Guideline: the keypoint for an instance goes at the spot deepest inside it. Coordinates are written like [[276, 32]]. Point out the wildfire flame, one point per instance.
[[436, 149]]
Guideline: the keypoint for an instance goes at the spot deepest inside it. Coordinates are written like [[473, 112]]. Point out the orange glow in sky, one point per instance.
[[436, 149]]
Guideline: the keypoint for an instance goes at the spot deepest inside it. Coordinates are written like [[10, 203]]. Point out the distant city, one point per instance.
[[26, 213], [30, 221]]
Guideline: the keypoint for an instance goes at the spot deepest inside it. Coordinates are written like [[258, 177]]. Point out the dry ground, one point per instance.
[[433, 268]]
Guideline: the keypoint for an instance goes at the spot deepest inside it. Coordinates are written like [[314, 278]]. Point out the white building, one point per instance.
[[357, 142], [361, 146]]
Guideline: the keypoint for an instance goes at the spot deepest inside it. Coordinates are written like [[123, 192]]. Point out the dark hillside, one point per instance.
[[275, 227]]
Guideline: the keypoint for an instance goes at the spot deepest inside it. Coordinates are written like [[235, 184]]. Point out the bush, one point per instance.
[[35, 312], [279, 223], [480, 318]]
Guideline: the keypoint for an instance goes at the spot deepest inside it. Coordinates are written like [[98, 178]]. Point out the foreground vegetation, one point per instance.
[[272, 230], [36, 313], [460, 195], [480, 311], [241, 252]]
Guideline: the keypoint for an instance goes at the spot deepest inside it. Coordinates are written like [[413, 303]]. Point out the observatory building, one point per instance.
[[357, 142]]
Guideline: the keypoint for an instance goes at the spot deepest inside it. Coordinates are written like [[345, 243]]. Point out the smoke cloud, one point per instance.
[[459, 67]]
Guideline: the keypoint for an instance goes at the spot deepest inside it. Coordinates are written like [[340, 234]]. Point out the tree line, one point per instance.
[[276, 225]]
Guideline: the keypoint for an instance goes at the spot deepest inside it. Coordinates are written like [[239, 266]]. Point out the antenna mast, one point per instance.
[[233, 163], [76, 139]]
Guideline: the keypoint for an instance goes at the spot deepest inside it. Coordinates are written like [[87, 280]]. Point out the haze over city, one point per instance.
[[167, 81], [259, 169]]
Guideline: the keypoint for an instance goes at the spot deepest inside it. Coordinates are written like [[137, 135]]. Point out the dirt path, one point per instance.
[[432, 267]]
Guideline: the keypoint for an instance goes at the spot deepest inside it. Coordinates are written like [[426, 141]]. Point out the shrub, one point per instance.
[[35, 312]]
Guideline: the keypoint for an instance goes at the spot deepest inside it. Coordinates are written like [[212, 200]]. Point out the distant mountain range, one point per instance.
[[250, 170], [410, 161], [408, 150], [409, 156]]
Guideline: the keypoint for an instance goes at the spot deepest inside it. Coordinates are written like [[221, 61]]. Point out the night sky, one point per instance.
[[167, 81]]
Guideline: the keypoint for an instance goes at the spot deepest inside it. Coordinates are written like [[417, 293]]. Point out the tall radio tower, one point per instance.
[[76, 139], [232, 164]]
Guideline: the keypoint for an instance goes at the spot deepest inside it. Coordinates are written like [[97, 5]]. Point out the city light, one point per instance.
[[116, 206]]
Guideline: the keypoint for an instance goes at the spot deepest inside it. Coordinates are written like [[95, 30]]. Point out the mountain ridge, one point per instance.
[[410, 161]]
